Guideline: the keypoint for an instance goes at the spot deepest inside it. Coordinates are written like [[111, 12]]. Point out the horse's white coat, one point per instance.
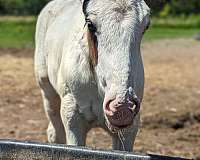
[[73, 94]]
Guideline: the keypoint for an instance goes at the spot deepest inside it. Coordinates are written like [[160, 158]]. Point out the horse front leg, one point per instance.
[[73, 121]]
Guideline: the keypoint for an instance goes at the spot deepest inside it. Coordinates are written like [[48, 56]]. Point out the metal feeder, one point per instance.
[[16, 150]]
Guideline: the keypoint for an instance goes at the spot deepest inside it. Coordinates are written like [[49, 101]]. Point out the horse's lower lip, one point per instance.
[[120, 127], [122, 117]]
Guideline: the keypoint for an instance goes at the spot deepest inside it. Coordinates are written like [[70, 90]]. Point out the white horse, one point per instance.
[[89, 68]]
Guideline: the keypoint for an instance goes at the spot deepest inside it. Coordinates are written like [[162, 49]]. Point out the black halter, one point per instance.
[[85, 4]]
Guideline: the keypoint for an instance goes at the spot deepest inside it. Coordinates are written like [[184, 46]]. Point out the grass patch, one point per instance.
[[177, 22], [173, 27], [155, 33], [18, 32]]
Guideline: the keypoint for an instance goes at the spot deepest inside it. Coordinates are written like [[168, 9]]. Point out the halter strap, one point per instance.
[[85, 3]]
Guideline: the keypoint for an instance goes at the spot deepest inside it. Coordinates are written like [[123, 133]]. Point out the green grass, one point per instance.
[[18, 32], [173, 27], [155, 33], [177, 22]]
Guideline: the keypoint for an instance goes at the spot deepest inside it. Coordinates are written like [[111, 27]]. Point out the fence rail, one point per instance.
[[16, 150]]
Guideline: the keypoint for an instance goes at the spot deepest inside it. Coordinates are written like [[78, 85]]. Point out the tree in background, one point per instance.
[[21, 7], [186, 7], [174, 7], [161, 8], [156, 5]]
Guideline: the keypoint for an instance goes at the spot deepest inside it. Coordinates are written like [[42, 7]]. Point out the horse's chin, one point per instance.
[[116, 129]]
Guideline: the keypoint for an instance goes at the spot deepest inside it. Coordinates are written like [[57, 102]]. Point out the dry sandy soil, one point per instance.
[[170, 111]]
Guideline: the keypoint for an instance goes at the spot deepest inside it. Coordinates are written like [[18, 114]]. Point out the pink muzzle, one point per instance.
[[121, 115]]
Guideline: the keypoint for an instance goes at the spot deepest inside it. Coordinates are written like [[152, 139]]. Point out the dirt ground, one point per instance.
[[170, 111]]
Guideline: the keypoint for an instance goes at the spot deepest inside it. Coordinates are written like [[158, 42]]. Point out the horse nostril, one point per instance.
[[136, 106], [133, 107]]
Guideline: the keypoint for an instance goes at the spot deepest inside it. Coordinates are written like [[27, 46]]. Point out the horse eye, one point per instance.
[[148, 25], [91, 26]]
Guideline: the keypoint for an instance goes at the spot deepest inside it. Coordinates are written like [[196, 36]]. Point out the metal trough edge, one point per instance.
[[18, 150]]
